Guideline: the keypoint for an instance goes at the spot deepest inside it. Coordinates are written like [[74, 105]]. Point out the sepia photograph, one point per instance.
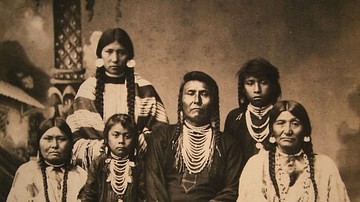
[[179, 100]]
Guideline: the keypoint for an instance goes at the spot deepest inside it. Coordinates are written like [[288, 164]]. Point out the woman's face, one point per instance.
[[288, 132], [196, 102], [120, 140], [258, 91], [55, 147], [115, 57]]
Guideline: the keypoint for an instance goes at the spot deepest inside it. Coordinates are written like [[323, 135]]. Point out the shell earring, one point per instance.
[[307, 139], [99, 62], [131, 63], [272, 140]]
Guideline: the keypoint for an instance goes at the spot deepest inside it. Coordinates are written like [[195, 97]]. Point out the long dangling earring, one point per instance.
[[106, 149], [307, 139], [181, 117], [272, 140]]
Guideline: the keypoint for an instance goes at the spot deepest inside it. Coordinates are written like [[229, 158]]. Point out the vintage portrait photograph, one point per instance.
[[179, 100]]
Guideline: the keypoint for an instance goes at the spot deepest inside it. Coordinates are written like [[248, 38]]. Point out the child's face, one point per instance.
[[258, 91], [120, 140]]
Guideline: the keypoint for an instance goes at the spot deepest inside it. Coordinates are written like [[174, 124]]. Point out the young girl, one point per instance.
[[116, 175]]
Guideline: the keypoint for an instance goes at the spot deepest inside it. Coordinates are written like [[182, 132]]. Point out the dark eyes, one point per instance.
[[125, 135], [118, 52], [50, 138], [202, 93], [252, 82], [293, 123]]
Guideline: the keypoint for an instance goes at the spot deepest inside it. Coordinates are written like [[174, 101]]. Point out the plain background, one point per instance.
[[314, 44]]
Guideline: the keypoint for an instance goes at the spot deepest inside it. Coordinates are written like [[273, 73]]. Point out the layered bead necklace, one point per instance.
[[197, 147], [120, 174], [286, 168], [259, 112]]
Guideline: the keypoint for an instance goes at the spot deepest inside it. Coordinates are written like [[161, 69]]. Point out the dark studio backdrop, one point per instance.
[[314, 44]]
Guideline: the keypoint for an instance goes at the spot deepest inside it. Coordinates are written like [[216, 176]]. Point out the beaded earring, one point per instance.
[[307, 139]]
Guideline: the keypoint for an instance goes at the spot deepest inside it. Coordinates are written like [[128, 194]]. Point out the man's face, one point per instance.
[[197, 103], [258, 91]]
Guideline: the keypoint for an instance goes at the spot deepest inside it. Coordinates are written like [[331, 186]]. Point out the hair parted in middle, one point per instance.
[[108, 37], [258, 68], [126, 122], [60, 123], [297, 110]]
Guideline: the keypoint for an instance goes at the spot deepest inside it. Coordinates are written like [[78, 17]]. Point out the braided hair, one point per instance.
[[60, 123], [109, 36], [259, 68], [297, 110], [215, 113], [100, 88]]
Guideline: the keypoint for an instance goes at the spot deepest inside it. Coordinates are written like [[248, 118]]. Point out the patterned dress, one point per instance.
[[87, 124]]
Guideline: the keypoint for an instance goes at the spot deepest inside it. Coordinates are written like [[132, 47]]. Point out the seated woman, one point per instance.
[[115, 175], [290, 171], [52, 177]]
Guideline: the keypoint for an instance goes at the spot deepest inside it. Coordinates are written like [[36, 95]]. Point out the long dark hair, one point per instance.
[[258, 68], [110, 36], [215, 109], [297, 110], [60, 123], [126, 122]]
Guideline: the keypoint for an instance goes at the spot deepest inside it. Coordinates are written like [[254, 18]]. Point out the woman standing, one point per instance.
[[52, 177], [116, 175], [290, 170], [114, 89]]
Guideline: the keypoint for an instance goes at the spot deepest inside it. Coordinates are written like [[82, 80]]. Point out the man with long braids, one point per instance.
[[258, 90], [114, 89], [192, 160], [290, 170], [51, 177]]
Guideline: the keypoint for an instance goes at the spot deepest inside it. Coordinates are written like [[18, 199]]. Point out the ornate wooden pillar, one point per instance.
[[69, 71]]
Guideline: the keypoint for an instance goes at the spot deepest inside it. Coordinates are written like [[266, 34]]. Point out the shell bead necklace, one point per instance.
[[120, 173], [197, 147], [259, 112]]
